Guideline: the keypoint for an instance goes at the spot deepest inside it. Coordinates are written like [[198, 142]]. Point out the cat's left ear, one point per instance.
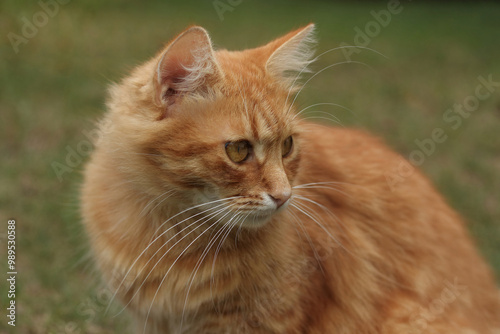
[[291, 54], [185, 66]]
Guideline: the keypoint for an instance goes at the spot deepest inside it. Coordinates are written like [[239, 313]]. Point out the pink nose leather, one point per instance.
[[280, 199]]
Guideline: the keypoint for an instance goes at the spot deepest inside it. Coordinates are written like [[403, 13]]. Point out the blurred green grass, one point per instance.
[[54, 88]]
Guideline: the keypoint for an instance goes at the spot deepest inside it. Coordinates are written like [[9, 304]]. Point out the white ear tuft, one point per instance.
[[293, 55], [185, 65]]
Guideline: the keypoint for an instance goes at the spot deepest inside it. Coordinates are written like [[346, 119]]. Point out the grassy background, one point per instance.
[[54, 88]]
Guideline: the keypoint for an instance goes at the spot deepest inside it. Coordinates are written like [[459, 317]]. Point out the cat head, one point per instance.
[[215, 126]]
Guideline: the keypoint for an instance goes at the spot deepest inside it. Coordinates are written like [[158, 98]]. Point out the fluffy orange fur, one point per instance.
[[308, 241]]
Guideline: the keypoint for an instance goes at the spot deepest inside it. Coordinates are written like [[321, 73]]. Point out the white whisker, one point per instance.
[[327, 185], [320, 71], [200, 261], [325, 104], [314, 219], [308, 237], [304, 69], [204, 219], [158, 237], [168, 193], [170, 268], [330, 118]]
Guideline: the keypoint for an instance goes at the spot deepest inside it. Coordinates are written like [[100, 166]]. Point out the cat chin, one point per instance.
[[260, 219]]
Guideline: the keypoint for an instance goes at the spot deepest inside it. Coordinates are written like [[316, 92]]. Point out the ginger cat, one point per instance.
[[213, 208]]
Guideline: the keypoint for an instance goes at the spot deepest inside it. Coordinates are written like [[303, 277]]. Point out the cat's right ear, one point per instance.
[[185, 66]]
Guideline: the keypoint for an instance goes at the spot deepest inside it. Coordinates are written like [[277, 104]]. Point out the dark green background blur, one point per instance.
[[53, 89]]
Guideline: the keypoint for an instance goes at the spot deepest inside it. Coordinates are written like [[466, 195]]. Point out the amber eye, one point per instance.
[[238, 151], [287, 146]]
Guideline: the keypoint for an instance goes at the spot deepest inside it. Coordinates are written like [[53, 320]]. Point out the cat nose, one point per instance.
[[280, 199]]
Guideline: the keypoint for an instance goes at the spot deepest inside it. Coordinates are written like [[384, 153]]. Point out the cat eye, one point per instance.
[[238, 151], [287, 146]]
